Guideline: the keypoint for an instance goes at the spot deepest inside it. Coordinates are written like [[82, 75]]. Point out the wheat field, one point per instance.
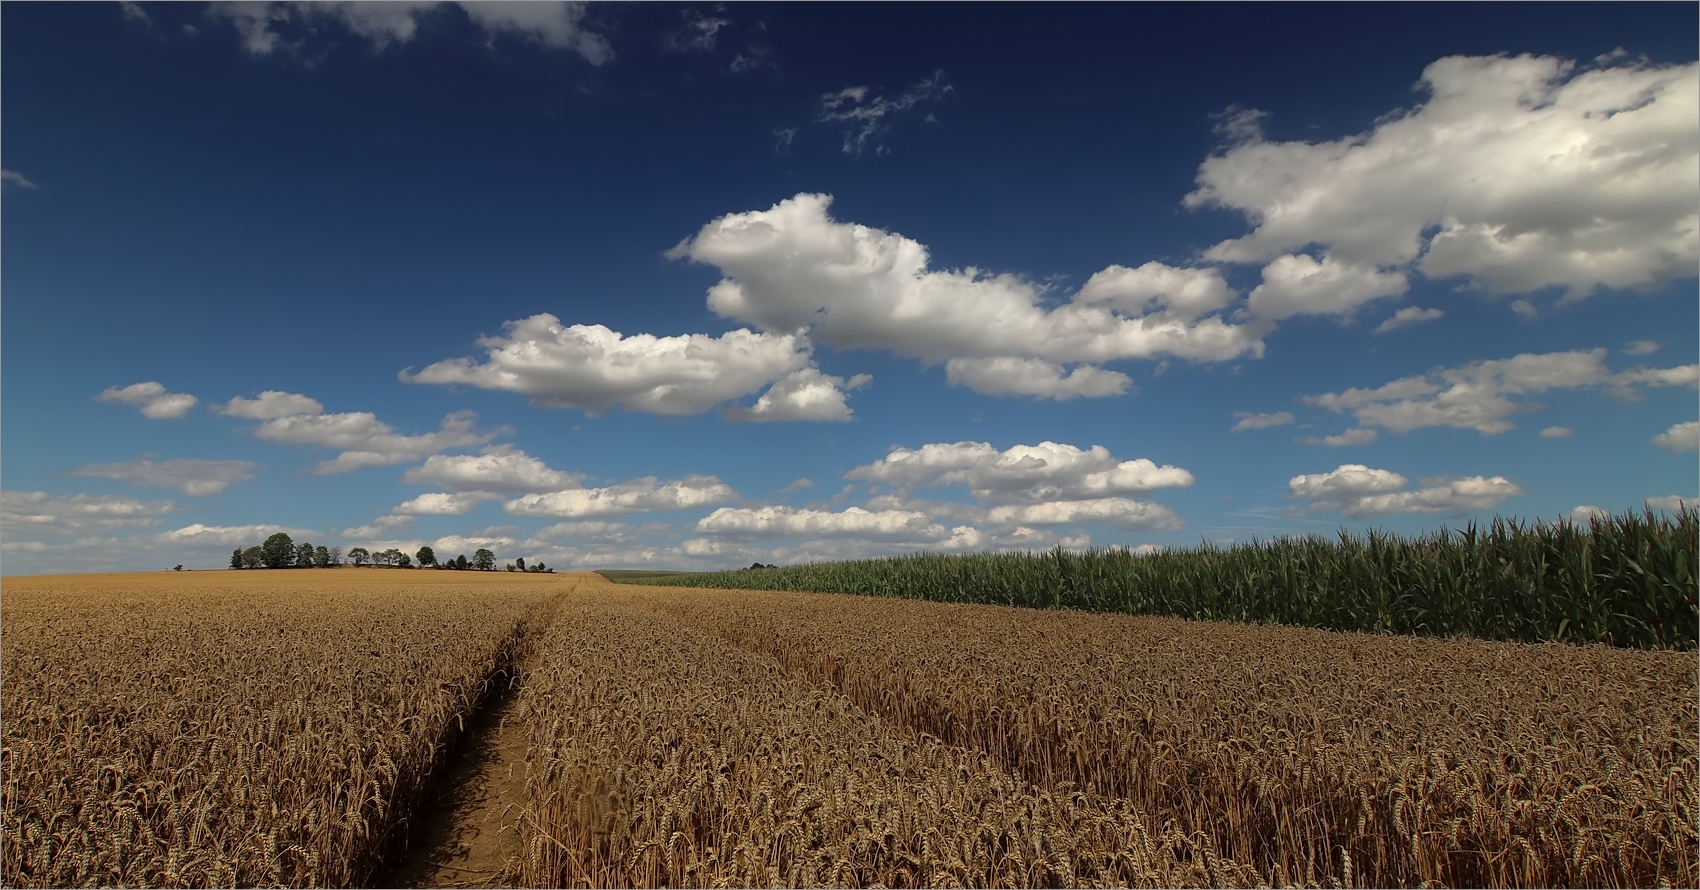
[[281, 729], [236, 729]]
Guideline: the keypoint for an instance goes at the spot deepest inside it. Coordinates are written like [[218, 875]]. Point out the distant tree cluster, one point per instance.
[[280, 552], [757, 565], [519, 565]]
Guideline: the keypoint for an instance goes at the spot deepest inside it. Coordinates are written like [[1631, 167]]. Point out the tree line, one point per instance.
[[281, 552]]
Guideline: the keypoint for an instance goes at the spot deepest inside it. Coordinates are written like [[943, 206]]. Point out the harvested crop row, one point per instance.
[[200, 730], [1310, 756], [660, 756]]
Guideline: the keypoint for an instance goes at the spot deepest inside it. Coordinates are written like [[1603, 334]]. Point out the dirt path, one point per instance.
[[470, 832]]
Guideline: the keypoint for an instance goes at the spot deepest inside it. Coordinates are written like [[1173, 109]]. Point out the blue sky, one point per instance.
[[694, 286]]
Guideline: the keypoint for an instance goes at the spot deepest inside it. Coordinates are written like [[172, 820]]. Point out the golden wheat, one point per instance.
[[263, 729], [1306, 755]]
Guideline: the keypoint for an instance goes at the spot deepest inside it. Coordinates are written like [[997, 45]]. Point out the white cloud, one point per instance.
[[1354, 436], [1680, 437], [156, 403], [805, 394], [1530, 173], [22, 511], [366, 441], [798, 485], [592, 368], [1158, 291], [1525, 310], [243, 536], [554, 25], [1479, 395], [1028, 474], [1359, 491], [594, 531], [469, 544], [636, 496], [383, 525], [793, 267], [1408, 316], [853, 522], [1671, 503], [1034, 377], [1642, 347], [443, 504], [13, 177], [868, 114], [1299, 285], [271, 405], [1119, 512], [1250, 421], [195, 478], [499, 468], [1583, 513], [1557, 432], [696, 34]]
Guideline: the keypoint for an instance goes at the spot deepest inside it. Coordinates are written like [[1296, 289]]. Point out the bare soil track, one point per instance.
[[467, 831]]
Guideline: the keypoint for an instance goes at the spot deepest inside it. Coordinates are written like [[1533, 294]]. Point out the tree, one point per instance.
[[359, 555], [460, 561], [278, 551], [236, 558], [483, 560], [253, 557], [426, 557], [304, 555], [321, 556], [520, 563], [402, 560], [179, 568], [336, 556]]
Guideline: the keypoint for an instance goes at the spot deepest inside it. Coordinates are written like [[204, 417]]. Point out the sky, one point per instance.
[[695, 286]]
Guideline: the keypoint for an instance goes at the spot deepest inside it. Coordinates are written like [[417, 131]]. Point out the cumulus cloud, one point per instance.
[[439, 503], [853, 522], [1034, 377], [153, 399], [1354, 436], [592, 531], [1557, 432], [1671, 503], [1679, 438], [637, 496], [270, 405], [592, 368], [490, 539], [1359, 491], [1408, 316], [1022, 474], [1120, 512], [499, 468], [1481, 395], [262, 26], [383, 525], [1250, 421], [792, 267], [14, 178], [805, 394], [1300, 285], [195, 478], [1528, 171], [869, 115], [366, 441], [38, 511], [244, 536], [1642, 347], [1585, 512]]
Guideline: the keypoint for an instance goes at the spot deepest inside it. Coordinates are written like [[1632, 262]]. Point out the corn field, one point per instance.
[[195, 730], [1626, 580]]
